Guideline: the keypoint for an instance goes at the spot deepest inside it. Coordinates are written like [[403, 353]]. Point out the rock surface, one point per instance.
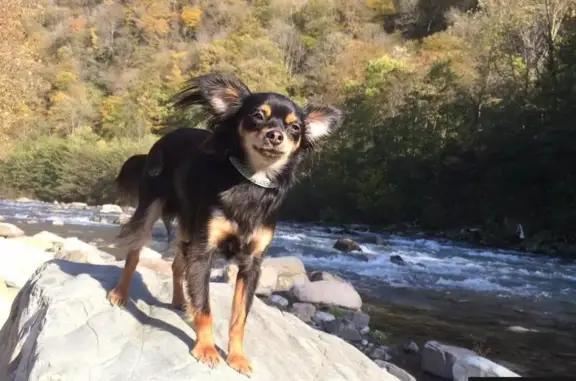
[[400, 373], [18, 261], [10, 231], [438, 358], [290, 271], [266, 284], [61, 327], [328, 292], [477, 366]]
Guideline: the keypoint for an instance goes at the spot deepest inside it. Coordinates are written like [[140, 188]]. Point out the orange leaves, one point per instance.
[[78, 24], [191, 17]]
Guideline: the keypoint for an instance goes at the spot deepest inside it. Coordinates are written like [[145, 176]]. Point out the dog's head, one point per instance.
[[266, 130]]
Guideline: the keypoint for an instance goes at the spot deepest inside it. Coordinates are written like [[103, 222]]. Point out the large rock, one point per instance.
[[394, 370], [61, 327], [290, 271], [477, 366], [346, 245], [78, 251], [110, 208], [266, 284], [7, 296], [48, 237], [18, 261], [35, 242], [10, 231], [328, 292], [438, 359]]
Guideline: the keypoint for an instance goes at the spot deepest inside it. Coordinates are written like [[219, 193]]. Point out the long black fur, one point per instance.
[[188, 173]]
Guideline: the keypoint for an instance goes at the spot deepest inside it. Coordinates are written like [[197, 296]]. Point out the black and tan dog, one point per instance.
[[225, 187]]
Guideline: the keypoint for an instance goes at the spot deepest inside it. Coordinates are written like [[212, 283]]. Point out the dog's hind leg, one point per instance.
[[133, 236]]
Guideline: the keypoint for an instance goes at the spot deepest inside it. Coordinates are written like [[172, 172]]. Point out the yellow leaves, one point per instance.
[[59, 97], [64, 79], [382, 6], [93, 36], [109, 108], [191, 17]]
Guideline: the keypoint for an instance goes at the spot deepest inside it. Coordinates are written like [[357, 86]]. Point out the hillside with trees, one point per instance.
[[459, 113]]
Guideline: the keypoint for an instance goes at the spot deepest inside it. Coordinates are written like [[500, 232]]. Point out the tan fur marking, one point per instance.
[[291, 118], [266, 110], [261, 239], [220, 228]]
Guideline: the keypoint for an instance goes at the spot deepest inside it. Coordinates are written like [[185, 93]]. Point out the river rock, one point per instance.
[[76, 250], [396, 371], [316, 276], [290, 271], [48, 237], [2, 218], [62, 327], [346, 245], [78, 205], [278, 300], [411, 347], [10, 231], [266, 284], [381, 353], [110, 208], [438, 358], [18, 261], [57, 222], [397, 260], [358, 318], [148, 253], [158, 265], [304, 311], [328, 292], [343, 329], [477, 366], [35, 242], [322, 317]]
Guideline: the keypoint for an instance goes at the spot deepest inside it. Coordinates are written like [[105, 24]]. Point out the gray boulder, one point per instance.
[[477, 366], [438, 359], [61, 327], [304, 311], [10, 231]]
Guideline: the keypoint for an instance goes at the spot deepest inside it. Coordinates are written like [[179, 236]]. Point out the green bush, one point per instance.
[[81, 167]]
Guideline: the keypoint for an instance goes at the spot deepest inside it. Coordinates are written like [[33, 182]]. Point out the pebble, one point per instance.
[[321, 316], [411, 347], [278, 300]]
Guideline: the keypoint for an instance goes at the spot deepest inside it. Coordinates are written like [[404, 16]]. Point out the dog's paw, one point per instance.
[[206, 354], [240, 363], [116, 298]]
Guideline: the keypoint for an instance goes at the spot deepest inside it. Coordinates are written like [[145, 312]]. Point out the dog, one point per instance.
[[225, 185], [128, 182]]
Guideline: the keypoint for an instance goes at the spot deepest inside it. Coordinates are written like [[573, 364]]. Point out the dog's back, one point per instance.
[[129, 177]]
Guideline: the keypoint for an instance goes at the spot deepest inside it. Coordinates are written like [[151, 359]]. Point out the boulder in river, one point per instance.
[[397, 260], [438, 359], [10, 231], [347, 245], [148, 340], [477, 366]]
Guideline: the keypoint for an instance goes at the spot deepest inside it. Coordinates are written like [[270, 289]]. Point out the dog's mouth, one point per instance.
[[269, 152]]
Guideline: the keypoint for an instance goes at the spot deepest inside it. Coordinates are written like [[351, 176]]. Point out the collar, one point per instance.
[[249, 175]]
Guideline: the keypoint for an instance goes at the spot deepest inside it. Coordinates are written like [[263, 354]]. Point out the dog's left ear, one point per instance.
[[321, 121], [220, 95]]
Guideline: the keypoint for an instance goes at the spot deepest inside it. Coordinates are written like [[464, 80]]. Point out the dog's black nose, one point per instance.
[[274, 137]]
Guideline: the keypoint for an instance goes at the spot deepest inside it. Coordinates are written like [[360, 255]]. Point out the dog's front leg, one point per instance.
[[198, 283], [246, 283]]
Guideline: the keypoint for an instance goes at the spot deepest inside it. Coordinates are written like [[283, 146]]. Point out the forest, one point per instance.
[[459, 113]]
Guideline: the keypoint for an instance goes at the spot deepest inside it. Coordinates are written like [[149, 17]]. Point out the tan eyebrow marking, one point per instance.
[[266, 110], [291, 118]]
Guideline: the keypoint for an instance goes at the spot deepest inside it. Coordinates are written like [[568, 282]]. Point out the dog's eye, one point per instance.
[[258, 116], [295, 127]]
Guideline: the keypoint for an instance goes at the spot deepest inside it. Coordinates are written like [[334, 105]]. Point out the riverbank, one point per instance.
[[532, 336]]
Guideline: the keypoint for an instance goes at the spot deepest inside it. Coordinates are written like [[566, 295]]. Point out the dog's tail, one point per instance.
[[129, 177]]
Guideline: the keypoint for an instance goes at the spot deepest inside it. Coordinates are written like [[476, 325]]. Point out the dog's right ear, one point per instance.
[[219, 95]]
